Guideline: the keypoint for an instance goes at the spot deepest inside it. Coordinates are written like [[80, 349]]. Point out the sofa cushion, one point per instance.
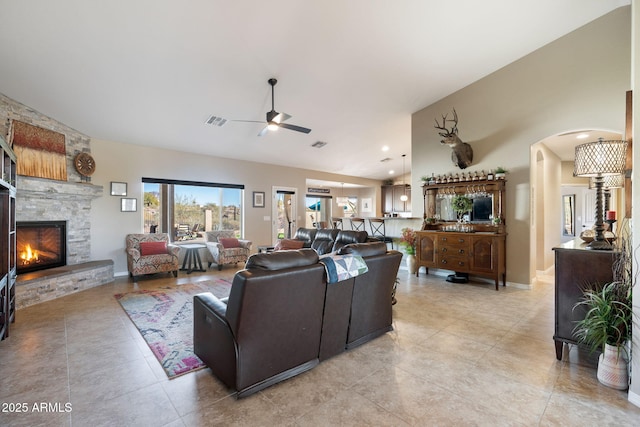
[[287, 244], [282, 259], [229, 242], [364, 249], [153, 248]]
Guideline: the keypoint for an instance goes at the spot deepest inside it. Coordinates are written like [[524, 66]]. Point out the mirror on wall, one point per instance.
[[482, 210]]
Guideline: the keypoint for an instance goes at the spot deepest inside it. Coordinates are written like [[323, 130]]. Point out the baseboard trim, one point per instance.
[[634, 398]]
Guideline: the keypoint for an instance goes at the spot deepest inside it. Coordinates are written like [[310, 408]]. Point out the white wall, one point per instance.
[[576, 82], [634, 389], [128, 163]]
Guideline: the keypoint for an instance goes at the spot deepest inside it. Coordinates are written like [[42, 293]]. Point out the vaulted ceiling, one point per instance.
[[151, 72]]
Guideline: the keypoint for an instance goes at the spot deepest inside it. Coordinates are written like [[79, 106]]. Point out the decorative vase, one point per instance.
[[612, 368], [411, 263]]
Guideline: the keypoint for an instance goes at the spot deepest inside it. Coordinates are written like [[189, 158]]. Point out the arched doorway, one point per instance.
[[551, 168]]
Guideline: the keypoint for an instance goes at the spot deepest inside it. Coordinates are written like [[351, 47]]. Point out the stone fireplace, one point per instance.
[[40, 245], [56, 201]]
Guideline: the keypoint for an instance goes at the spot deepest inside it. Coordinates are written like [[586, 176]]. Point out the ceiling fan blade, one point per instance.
[[247, 121], [264, 131], [294, 127], [281, 117]]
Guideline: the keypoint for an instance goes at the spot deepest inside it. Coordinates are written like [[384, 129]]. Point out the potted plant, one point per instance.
[[408, 242], [461, 205], [607, 322], [500, 172]]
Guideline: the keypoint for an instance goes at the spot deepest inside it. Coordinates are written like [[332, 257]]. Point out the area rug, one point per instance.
[[164, 318]]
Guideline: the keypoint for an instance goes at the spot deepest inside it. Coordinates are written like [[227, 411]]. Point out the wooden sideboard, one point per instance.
[[481, 254], [576, 269]]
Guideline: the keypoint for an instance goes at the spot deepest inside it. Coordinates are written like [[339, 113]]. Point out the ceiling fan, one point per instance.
[[274, 119]]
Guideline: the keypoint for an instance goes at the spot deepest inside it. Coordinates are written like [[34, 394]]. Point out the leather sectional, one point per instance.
[[282, 318]]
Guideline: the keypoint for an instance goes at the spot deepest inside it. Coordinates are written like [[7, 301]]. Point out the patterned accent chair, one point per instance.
[[230, 255], [156, 254]]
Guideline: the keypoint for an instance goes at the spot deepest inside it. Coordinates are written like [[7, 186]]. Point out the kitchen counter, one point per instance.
[[393, 225]]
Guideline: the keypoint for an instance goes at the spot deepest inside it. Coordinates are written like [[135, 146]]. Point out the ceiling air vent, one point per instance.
[[216, 121], [318, 144]]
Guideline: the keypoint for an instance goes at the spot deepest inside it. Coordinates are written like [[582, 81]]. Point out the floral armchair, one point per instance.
[[225, 248], [151, 253]]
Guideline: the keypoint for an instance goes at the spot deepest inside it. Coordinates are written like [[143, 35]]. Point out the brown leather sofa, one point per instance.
[[269, 329], [326, 240], [359, 309], [282, 318]]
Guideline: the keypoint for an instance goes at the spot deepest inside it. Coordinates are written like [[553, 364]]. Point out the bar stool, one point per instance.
[[378, 231], [337, 222], [357, 224]]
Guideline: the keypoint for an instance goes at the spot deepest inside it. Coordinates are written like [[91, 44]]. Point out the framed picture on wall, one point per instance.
[[568, 215], [128, 205], [258, 199], [366, 205], [118, 188]]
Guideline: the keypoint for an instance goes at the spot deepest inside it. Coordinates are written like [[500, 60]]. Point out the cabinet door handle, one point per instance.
[[444, 261], [444, 249], [461, 251], [460, 263], [461, 240]]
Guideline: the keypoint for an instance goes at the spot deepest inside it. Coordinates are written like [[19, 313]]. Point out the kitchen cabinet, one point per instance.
[[391, 198]]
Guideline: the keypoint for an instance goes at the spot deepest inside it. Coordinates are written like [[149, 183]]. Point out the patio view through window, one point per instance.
[[186, 209]]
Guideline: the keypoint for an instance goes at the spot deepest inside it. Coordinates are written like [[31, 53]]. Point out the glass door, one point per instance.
[[284, 213], [318, 212]]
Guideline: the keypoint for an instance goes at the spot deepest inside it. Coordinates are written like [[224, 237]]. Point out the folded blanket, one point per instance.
[[341, 267]]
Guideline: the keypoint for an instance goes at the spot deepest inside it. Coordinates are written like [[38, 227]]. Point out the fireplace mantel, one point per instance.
[[55, 190]]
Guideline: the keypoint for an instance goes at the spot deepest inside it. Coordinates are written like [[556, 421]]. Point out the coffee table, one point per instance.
[[192, 261]]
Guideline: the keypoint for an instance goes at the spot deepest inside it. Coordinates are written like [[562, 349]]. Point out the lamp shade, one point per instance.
[[609, 181], [600, 158]]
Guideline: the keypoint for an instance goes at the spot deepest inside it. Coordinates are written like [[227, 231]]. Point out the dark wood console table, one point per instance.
[[576, 269]]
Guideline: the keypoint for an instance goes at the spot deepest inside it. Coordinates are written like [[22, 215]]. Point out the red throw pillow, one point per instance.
[[153, 248], [229, 242], [287, 244]]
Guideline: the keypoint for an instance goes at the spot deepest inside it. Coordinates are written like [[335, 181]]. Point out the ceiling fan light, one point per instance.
[[272, 126]]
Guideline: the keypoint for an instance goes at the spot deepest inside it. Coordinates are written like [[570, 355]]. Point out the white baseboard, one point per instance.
[[634, 398]]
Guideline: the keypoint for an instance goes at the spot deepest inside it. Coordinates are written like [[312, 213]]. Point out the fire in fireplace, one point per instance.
[[40, 245]]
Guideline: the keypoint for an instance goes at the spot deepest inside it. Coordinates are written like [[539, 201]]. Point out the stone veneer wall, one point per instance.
[[40, 199]]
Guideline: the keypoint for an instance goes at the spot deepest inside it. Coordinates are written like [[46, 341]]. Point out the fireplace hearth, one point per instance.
[[40, 245]]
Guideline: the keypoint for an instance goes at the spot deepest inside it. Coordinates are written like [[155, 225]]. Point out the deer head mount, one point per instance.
[[462, 154]]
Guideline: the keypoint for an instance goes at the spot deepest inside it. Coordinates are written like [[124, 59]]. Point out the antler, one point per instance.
[[454, 128]]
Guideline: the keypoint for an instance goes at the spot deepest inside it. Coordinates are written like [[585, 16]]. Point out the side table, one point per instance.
[[265, 248], [192, 261]]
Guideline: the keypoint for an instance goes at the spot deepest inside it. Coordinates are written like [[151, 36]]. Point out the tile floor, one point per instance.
[[459, 355]]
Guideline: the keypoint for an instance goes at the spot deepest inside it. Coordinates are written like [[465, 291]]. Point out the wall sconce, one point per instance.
[[597, 160]]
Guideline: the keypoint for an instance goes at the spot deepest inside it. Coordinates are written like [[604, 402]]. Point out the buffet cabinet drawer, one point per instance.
[[451, 241], [454, 263]]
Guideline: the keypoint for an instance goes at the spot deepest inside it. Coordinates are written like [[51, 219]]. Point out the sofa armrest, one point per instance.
[[213, 339], [215, 248], [134, 253], [173, 249], [245, 243], [212, 303]]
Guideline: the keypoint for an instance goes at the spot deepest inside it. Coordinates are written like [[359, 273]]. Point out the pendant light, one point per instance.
[[404, 196]]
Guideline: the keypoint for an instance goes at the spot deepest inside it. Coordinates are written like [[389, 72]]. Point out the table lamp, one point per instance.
[[597, 160]]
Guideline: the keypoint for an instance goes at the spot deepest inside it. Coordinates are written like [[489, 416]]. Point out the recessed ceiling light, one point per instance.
[[583, 136], [385, 148], [391, 172]]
